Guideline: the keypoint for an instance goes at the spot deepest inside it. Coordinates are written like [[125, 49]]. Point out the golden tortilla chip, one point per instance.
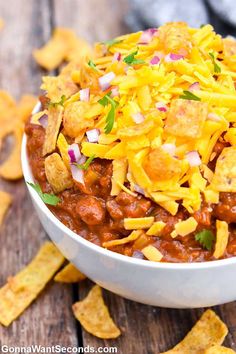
[[74, 119], [229, 45], [222, 238], [64, 45], [175, 38], [5, 202], [132, 237], [54, 122], [6, 102], [94, 316], [11, 169], [186, 118], [69, 274], [25, 106], [12, 117], [7, 114], [1, 23], [165, 167], [55, 85], [208, 331], [25, 286], [224, 179], [57, 173], [217, 349]]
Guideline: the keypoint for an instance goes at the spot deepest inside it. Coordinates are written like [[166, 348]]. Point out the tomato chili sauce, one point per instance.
[[92, 213]]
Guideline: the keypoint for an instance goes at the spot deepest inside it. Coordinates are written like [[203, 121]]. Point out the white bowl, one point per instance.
[[184, 285]]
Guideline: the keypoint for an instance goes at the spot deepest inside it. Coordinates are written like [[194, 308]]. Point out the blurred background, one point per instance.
[[148, 13]]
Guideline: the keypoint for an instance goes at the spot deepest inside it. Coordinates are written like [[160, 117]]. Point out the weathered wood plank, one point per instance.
[[93, 20], [49, 320]]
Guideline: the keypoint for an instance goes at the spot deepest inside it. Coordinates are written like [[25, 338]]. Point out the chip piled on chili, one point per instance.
[[137, 140]]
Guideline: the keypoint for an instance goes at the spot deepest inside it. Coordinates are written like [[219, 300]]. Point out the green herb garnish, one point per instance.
[[217, 68], [131, 60], [112, 42], [50, 199], [187, 95], [202, 25], [59, 103], [104, 101], [205, 238], [87, 163], [92, 65], [110, 119]]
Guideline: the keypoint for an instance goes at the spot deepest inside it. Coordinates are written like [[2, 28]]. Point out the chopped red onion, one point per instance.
[[116, 57], [170, 148], [138, 189], [138, 117], [43, 120], [214, 117], [77, 174], [74, 153], [138, 254], [171, 57], [194, 86], [82, 160], [84, 94], [155, 60], [193, 158], [115, 92], [161, 106], [147, 36], [105, 80], [93, 135]]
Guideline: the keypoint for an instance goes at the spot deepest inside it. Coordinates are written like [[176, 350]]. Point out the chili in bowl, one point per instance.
[[133, 151]]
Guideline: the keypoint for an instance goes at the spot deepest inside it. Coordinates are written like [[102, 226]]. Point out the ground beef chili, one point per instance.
[[94, 214]]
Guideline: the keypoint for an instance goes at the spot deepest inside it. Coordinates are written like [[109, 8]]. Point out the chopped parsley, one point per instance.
[[187, 95], [112, 42], [50, 199], [131, 60], [92, 65], [87, 163], [110, 119], [205, 238], [217, 68], [104, 101], [59, 103]]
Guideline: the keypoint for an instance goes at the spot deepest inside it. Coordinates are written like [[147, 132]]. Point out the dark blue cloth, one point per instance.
[[153, 13]]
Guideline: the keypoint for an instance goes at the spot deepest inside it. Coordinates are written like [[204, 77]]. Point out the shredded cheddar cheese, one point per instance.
[[185, 227], [222, 237], [156, 228], [138, 223], [152, 253]]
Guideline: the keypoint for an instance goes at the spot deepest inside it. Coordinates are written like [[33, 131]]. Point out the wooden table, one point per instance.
[[49, 321]]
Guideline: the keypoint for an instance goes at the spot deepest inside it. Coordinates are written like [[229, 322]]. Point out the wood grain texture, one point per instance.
[[94, 20], [49, 320]]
